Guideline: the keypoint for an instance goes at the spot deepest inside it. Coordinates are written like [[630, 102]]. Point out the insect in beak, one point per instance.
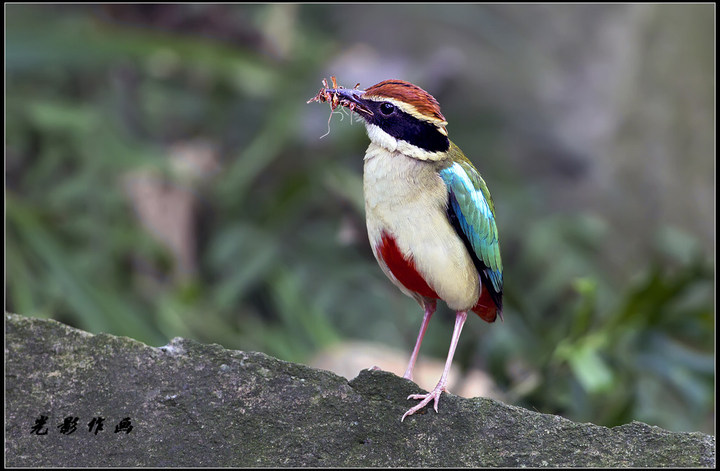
[[338, 95]]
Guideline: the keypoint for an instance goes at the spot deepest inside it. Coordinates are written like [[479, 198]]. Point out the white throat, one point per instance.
[[392, 144]]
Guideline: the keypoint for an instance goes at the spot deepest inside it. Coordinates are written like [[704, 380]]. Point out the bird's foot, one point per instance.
[[425, 400]]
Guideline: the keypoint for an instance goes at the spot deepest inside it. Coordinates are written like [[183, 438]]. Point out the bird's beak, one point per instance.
[[350, 98]]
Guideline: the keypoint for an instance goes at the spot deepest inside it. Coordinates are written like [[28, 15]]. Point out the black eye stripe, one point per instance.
[[408, 128]]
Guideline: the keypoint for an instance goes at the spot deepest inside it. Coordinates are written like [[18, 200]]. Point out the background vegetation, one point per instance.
[[165, 177]]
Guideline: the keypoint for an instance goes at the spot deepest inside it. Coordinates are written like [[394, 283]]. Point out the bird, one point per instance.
[[429, 214]]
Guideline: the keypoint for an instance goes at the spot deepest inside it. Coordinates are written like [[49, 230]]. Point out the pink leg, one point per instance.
[[429, 311], [460, 318]]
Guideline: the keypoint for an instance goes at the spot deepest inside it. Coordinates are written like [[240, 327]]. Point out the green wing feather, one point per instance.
[[472, 212]]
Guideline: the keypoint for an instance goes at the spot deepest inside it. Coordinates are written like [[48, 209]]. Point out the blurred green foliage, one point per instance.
[[97, 95]]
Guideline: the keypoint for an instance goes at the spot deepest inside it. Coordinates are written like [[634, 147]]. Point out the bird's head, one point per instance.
[[399, 116]]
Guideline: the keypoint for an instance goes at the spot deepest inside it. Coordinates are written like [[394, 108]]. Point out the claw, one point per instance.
[[460, 318], [425, 400]]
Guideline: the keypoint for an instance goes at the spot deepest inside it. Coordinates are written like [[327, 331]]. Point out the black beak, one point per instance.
[[350, 98]]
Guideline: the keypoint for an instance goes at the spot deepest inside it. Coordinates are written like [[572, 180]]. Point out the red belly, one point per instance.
[[403, 268]]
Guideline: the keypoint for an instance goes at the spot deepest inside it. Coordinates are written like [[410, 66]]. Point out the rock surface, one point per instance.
[[201, 405]]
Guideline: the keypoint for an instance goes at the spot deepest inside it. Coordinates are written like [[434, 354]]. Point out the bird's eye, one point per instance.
[[387, 108]]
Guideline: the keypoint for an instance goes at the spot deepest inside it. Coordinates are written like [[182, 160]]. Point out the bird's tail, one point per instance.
[[486, 307]]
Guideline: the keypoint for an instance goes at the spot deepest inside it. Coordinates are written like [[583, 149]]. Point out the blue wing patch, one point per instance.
[[471, 212]]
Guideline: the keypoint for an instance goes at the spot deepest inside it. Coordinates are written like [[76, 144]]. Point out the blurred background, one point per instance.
[[165, 177]]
